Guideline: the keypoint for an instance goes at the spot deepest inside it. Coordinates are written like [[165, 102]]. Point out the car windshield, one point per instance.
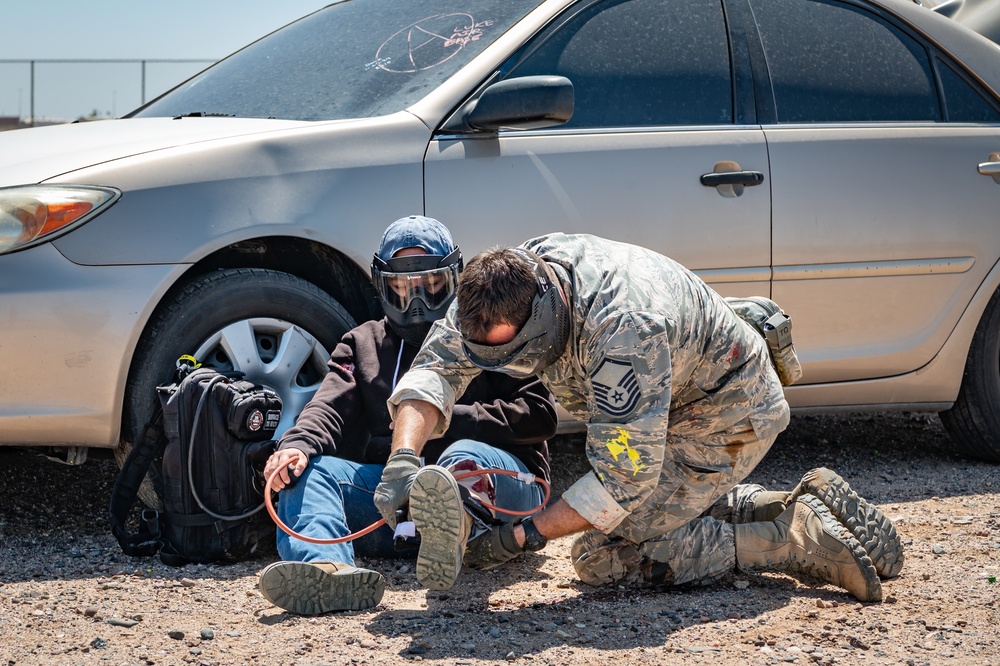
[[353, 59]]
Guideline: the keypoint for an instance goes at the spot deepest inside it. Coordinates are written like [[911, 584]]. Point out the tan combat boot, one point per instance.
[[870, 526], [312, 588], [807, 539], [437, 511]]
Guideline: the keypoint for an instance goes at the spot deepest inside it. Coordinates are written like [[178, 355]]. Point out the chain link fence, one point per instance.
[[37, 92]]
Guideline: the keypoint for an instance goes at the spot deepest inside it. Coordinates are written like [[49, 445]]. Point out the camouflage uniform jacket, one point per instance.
[[655, 357]]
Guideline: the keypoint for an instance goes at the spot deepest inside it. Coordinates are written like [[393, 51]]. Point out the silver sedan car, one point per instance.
[[839, 156]]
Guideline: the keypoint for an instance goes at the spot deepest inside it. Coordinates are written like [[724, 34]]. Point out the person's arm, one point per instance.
[[420, 408], [414, 422], [556, 521], [502, 543], [321, 427], [629, 371], [415, 419], [335, 412]]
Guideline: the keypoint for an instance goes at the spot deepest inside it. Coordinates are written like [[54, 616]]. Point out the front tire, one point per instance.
[[277, 328], [974, 420]]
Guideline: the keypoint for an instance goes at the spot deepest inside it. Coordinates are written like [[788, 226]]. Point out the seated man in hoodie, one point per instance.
[[334, 456]]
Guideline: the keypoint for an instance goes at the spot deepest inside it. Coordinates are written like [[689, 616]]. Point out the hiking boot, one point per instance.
[[807, 539], [437, 511], [312, 588], [870, 526]]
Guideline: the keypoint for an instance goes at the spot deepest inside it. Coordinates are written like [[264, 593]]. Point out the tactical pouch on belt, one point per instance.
[[776, 329]]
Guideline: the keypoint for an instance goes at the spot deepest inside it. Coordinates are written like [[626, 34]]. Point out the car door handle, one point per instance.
[[991, 168], [732, 178]]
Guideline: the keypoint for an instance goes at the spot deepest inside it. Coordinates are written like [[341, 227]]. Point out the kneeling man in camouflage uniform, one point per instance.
[[681, 402]]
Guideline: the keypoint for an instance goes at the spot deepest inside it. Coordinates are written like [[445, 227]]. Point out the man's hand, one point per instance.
[[283, 460], [393, 492], [493, 548]]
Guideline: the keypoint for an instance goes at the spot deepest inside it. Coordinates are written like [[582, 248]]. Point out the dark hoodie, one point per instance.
[[348, 416]]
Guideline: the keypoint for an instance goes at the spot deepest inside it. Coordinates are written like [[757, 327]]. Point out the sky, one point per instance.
[[121, 29]]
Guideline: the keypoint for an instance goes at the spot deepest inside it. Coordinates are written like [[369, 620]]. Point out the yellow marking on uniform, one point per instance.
[[620, 445]]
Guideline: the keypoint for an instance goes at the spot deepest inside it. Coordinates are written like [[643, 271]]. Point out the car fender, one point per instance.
[[330, 181]]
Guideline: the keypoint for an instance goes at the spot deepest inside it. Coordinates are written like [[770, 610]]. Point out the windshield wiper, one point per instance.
[[204, 114]]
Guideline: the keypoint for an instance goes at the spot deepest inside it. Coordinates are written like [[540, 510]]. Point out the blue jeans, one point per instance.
[[333, 498]]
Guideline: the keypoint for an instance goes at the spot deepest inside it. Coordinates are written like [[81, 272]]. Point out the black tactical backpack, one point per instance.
[[211, 435]]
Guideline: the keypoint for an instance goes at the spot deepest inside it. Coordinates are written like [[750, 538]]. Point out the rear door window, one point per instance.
[[832, 62], [963, 103]]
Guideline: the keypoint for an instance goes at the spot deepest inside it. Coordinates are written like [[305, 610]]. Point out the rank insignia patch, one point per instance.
[[616, 389]]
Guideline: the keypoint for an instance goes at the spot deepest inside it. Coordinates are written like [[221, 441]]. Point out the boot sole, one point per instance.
[[870, 526], [835, 529], [305, 589], [436, 510]]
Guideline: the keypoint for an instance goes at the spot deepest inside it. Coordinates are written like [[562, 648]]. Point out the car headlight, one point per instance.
[[33, 214]]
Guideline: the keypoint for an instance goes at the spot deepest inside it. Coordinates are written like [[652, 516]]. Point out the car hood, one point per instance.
[[38, 154]]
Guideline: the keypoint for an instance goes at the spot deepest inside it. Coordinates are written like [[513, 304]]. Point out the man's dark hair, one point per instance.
[[496, 287]]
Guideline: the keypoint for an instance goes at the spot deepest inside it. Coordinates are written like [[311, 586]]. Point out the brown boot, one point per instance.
[[870, 526], [312, 588], [437, 511], [807, 539]]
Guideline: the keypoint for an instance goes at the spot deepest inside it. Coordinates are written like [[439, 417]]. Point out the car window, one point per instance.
[[638, 63], [832, 62], [354, 59], [964, 104]]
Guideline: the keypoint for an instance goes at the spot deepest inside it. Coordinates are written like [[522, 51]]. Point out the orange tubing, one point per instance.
[[381, 521]]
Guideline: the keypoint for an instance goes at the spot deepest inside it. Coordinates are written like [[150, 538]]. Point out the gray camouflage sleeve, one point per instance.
[[629, 373]]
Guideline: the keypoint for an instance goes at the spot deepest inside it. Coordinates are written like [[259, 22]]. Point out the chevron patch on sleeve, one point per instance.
[[616, 390]]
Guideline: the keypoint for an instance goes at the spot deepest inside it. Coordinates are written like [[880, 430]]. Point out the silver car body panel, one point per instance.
[[325, 181], [900, 273], [593, 182], [193, 186], [65, 327], [199, 198], [41, 153], [932, 387]]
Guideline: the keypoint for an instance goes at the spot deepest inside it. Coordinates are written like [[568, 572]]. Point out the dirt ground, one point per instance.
[[69, 596]]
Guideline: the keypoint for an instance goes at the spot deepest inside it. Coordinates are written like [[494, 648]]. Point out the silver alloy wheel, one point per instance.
[[274, 353]]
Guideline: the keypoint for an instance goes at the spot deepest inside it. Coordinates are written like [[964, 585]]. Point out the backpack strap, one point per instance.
[[124, 496]]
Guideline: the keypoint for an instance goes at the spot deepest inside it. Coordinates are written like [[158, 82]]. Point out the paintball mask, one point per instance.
[[541, 340], [416, 291]]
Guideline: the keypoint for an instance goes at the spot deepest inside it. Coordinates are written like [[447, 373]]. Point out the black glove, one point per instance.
[[393, 491], [492, 548]]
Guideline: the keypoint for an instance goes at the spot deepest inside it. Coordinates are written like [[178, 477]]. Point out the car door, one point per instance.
[[883, 227], [654, 111]]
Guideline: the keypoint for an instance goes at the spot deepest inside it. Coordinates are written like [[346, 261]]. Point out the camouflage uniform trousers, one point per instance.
[[683, 532]]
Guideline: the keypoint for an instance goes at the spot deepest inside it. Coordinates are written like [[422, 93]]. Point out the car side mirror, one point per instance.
[[527, 102]]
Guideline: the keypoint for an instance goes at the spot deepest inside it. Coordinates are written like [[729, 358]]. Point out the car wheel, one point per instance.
[[974, 420], [275, 327]]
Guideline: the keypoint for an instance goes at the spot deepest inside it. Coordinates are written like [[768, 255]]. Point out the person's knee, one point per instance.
[[464, 448], [599, 561], [475, 455]]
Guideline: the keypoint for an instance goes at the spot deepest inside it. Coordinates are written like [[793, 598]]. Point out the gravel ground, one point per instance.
[[68, 595]]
